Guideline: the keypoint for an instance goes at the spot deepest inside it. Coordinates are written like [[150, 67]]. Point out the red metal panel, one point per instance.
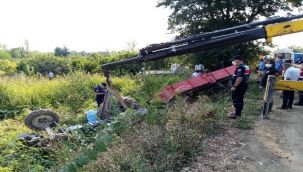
[[210, 78], [198, 81]]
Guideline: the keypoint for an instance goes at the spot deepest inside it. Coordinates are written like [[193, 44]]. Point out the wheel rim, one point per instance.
[[43, 121]]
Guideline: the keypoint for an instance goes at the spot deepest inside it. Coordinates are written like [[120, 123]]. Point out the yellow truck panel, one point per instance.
[[284, 28], [289, 85]]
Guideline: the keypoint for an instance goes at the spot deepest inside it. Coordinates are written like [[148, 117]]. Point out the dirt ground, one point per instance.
[[275, 145]]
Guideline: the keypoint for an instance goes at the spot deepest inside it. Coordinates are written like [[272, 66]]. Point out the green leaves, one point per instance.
[[5, 55], [75, 93], [8, 67], [78, 163]]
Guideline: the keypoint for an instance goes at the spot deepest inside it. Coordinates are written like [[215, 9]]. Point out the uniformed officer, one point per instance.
[[239, 86]]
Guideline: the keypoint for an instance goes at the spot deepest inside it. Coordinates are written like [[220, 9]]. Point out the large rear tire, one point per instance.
[[41, 119]]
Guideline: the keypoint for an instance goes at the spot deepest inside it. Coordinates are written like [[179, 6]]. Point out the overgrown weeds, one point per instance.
[[71, 94], [166, 139], [165, 145]]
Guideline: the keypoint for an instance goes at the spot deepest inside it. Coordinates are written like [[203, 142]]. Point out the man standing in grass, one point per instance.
[[100, 93], [50, 75], [239, 86]]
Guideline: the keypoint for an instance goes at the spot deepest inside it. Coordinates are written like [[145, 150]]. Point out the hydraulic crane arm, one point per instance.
[[243, 33]]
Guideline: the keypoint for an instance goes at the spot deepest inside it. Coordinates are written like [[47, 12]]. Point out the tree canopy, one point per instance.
[[5, 55], [198, 16], [61, 51]]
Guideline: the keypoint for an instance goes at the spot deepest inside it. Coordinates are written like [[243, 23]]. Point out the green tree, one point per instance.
[[23, 66], [61, 52], [44, 64], [296, 49], [5, 55], [16, 52], [7, 67], [199, 16]]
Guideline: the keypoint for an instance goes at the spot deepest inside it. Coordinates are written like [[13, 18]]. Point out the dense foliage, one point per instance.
[[7, 67], [73, 92], [70, 96], [33, 63]]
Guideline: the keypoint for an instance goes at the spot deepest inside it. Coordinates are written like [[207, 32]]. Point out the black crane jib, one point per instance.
[[238, 34]]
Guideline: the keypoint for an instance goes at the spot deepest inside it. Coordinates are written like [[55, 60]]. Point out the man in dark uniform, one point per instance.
[[100, 93], [239, 86]]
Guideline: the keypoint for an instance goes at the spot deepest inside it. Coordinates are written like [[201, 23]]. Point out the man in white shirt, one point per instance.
[[300, 66], [199, 68], [291, 74], [195, 74], [51, 75]]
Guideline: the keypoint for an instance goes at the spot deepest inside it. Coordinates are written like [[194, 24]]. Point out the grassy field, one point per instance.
[[167, 138], [70, 96]]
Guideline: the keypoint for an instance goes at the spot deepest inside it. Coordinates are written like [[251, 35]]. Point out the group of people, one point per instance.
[[267, 67], [288, 72], [278, 63]]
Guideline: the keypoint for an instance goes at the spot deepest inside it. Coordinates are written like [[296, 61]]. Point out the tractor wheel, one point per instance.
[[41, 119]]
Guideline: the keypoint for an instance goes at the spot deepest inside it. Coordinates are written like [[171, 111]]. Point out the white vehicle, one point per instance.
[[286, 53]]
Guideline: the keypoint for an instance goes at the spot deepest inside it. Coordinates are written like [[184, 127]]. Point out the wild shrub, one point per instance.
[[7, 67], [163, 146], [8, 107], [75, 93]]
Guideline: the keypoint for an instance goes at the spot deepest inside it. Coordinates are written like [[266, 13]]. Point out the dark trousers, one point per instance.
[[288, 98], [237, 98], [99, 102]]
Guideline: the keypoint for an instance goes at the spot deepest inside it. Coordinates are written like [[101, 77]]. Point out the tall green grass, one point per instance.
[[73, 93], [68, 95], [166, 139]]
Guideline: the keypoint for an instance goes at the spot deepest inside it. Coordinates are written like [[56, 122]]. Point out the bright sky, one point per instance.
[[89, 25]]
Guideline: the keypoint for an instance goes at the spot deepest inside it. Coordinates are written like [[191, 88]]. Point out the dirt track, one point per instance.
[[275, 145]]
